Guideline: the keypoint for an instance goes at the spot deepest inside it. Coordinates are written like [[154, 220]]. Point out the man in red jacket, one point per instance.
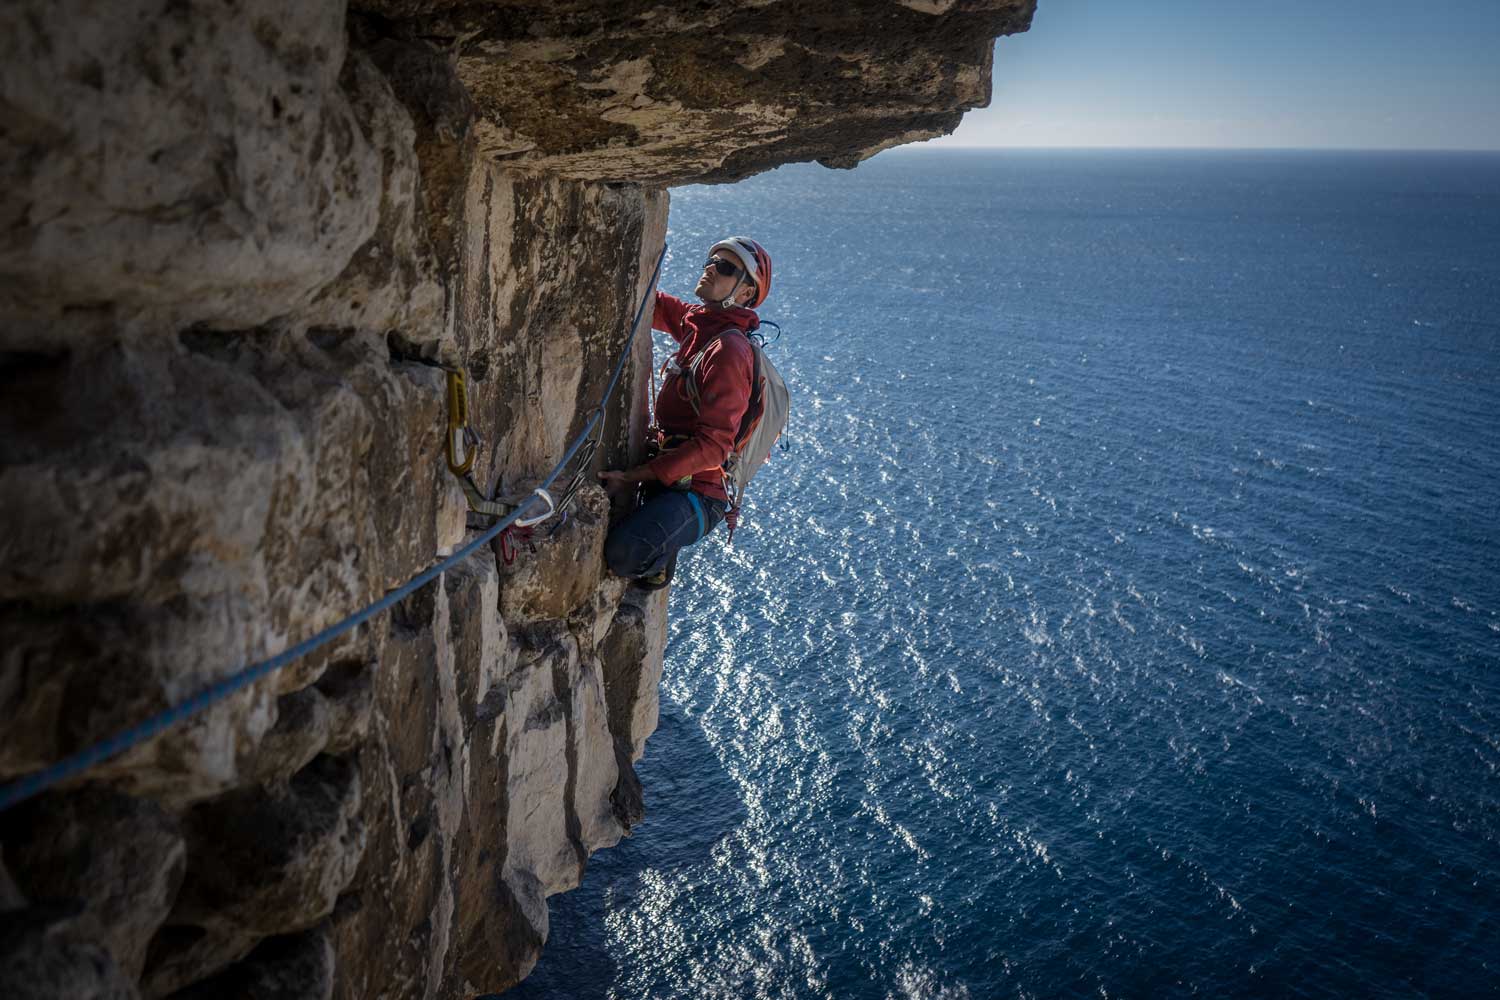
[[698, 413]]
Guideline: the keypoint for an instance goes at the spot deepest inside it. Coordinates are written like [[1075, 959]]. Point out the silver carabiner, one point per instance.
[[526, 522]]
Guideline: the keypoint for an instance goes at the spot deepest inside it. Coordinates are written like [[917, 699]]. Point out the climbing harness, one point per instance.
[[27, 786]]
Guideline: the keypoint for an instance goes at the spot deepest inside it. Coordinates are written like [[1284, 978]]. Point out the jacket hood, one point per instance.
[[718, 320]]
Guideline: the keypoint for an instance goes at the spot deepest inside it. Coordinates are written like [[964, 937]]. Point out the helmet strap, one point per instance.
[[728, 302]]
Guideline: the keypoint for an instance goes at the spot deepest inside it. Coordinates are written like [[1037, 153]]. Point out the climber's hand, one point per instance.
[[613, 478]]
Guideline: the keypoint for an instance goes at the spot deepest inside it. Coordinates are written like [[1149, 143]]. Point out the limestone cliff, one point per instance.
[[235, 237]]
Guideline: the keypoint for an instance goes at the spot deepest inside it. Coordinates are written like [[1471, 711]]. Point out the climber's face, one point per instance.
[[720, 273]]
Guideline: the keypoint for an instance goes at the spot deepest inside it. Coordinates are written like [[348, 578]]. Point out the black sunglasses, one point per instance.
[[722, 266]]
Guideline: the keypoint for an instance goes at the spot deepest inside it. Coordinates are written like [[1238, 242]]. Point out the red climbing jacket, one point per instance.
[[724, 376]]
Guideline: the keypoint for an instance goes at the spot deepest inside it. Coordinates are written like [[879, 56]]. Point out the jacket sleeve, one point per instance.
[[668, 314], [724, 392]]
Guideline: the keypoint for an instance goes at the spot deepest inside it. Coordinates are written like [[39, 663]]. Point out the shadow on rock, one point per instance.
[[691, 803]]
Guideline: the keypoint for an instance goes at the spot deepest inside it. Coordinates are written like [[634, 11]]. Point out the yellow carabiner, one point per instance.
[[460, 455]]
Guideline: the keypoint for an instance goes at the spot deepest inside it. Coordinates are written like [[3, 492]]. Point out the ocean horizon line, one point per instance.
[[927, 147]]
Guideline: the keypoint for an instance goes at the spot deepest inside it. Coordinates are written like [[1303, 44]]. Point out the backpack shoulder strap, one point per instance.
[[690, 373], [754, 404]]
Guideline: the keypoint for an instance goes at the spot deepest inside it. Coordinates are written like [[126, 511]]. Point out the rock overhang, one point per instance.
[[674, 93], [235, 234]]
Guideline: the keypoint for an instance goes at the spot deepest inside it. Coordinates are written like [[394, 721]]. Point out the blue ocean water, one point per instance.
[[1124, 619]]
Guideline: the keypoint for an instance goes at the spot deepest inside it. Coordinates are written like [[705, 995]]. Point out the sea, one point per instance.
[[1123, 616]]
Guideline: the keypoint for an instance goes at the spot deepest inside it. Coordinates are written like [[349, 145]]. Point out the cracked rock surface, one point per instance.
[[663, 93], [237, 242]]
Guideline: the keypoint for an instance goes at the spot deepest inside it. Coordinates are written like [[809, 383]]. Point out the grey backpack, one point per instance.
[[761, 427]]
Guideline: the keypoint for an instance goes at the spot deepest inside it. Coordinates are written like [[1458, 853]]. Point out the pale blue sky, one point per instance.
[[1378, 74]]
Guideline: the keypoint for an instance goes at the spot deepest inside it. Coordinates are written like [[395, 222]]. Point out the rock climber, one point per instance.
[[683, 484]]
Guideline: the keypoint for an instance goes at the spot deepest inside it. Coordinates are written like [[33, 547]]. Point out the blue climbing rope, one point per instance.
[[32, 784]]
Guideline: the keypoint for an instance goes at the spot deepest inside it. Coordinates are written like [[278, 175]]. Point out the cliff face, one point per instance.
[[236, 238]]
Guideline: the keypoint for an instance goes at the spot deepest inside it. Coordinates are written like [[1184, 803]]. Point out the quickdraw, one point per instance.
[[530, 522], [18, 790], [463, 445], [585, 459], [509, 537]]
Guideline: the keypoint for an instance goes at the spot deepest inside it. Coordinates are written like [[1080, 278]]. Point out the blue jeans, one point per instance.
[[643, 543]]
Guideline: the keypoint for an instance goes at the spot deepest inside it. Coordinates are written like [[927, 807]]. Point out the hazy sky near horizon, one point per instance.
[[1378, 74]]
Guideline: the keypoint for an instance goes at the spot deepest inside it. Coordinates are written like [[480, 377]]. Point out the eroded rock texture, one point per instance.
[[235, 243], [650, 92]]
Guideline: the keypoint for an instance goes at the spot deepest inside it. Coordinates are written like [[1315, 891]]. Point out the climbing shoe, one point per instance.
[[656, 581]]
